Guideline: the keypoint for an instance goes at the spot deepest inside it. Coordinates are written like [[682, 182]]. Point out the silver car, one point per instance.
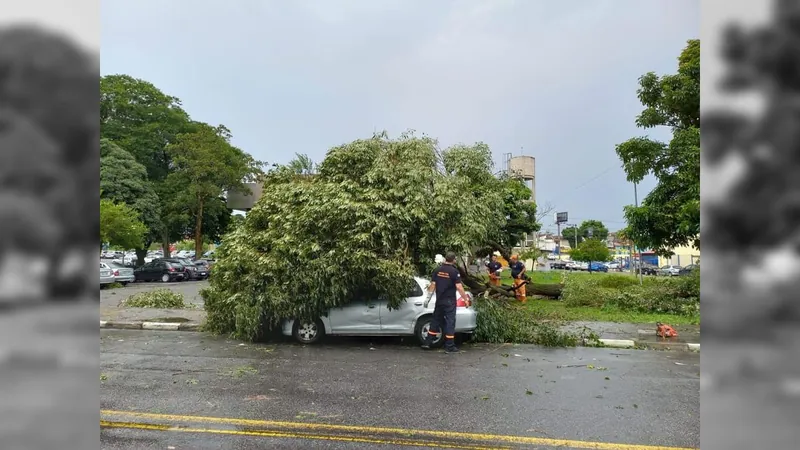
[[122, 274], [106, 275], [374, 318]]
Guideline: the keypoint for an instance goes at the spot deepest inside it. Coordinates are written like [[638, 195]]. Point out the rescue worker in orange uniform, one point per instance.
[[446, 281], [494, 271], [517, 273]]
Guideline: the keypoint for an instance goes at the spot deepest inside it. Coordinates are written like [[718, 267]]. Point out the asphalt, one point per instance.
[[196, 391]]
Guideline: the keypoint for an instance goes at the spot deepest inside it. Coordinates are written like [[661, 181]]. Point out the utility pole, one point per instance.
[[558, 225], [636, 201]]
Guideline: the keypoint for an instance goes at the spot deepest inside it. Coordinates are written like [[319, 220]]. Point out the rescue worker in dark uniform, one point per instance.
[[446, 281], [494, 271]]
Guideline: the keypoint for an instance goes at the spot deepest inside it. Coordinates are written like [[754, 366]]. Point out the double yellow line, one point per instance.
[[348, 433]]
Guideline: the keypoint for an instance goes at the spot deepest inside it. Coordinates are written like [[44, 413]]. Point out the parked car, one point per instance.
[[203, 268], [558, 265], [688, 270], [189, 269], [122, 274], [374, 318], [159, 271], [597, 267], [670, 270], [648, 269], [106, 275]]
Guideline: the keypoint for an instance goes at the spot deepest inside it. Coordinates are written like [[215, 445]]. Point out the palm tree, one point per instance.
[[303, 165]]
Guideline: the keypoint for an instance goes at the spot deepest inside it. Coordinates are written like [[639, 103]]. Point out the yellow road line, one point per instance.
[[369, 430], [289, 435]]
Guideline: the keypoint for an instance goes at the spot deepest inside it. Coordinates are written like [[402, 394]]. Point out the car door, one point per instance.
[[401, 320], [357, 317]]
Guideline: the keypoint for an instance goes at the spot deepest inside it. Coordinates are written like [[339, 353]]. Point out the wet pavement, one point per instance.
[[111, 298], [195, 391]]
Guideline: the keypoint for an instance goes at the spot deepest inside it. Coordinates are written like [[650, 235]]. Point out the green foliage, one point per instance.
[[670, 215], [124, 180], [500, 322], [119, 225], [140, 118], [374, 216], [205, 165], [591, 250], [303, 165], [679, 295], [157, 298]]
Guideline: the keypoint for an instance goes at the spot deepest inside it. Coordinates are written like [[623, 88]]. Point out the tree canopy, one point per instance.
[[592, 249], [669, 216], [594, 227], [119, 225], [376, 214], [124, 180]]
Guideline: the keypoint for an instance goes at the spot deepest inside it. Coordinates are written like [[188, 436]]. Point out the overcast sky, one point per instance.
[[554, 80]]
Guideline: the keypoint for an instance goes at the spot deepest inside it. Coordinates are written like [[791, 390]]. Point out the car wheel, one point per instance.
[[421, 331], [123, 283], [308, 333], [165, 278]]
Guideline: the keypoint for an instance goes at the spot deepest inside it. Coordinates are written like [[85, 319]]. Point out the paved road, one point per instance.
[[195, 391]]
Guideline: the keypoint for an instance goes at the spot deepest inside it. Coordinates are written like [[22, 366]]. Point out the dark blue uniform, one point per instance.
[[444, 313], [516, 269], [494, 266]]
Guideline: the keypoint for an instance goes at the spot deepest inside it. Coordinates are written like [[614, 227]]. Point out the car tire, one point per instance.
[[165, 278], [123, 283], [421, 331], [308, 333]]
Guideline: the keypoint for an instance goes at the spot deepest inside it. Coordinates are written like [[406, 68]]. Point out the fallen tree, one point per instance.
[[374, 215]]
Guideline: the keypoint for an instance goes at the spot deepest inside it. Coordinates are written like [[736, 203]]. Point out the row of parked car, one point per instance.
[[161, 269], [669, 270]]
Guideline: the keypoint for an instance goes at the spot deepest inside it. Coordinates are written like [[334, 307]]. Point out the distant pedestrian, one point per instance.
[[446, 281], [518, 274], [494, 268]]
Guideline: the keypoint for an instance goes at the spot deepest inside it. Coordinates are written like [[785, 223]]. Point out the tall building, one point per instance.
[[524, 167]]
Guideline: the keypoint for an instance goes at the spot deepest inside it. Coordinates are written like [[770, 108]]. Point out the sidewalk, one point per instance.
[[640, 335]]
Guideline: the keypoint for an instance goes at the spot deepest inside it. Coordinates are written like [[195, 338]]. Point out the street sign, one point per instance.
[[561, 217], [590, 231]]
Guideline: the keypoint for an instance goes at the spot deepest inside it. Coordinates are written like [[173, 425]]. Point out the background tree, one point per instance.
[[124, 180], [598, 231], [119, 225], [205, 166], [302, 164], [140, 118], [591, 250], [669, 216]]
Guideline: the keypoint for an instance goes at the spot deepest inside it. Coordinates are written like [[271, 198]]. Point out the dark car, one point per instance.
[[558, 265], [203, 268], [648, 269], [688, 270], [189, 269], [159, 271]]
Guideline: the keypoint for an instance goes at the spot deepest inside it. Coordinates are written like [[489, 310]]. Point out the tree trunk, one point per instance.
[[141, 254], [198, 230], [165, 244]]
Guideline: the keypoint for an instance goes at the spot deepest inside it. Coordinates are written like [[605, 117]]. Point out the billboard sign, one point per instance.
[[561, 217]]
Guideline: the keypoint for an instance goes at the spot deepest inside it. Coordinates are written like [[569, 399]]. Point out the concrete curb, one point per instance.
[[618, 343], [144, 325]]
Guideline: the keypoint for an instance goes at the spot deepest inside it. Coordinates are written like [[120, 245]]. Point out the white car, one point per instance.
[[374, 318], [670, 270], [106, 275]]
